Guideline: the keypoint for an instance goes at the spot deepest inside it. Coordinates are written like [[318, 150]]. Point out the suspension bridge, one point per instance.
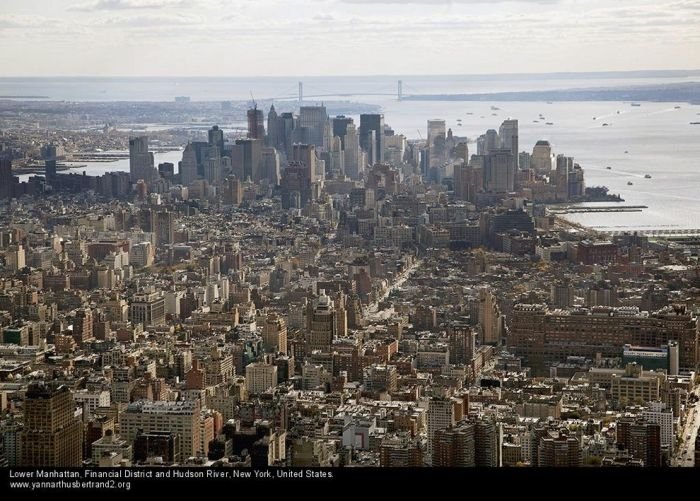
[[315, 93]]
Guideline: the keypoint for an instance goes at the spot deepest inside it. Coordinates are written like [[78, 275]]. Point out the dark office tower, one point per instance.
[[52, 434], [141, 163], [454, 447], [246, 159], [256, 124], [48, 153], [369, 123], [188, 165], [296, 186], [306, 155], [557, 449], [501, 172], [340, 127], [216, 138], [6, 178], [508, 134], [165, 228], [641, 439], [486, 444], [166, 170], [273, 128], [287, 123]]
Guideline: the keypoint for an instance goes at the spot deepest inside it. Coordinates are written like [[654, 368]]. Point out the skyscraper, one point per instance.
[[320, 323], [188, 165], [273, 128], [312, 119], [6, 178], [141, 163], [508, 135], [372, 123], [306, 155], [216, 139], [352, 152], [246, 159], [542, 159], [52, 434], [256, 123], [48, 153], [437, 153], [440, 416], [340, 127]]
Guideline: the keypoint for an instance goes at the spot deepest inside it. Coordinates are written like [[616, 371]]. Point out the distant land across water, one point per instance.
[[673, 93]]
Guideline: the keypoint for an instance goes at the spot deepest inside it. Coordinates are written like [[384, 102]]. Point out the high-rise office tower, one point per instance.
[[247, 158], [340, 127], [306, 155], [216, 139], [313, 119], [508, 135], [6, 178], [441, 415], [141, 163], [490, 142], [233, 191], [542, 159], [368, 123], [48, 153], [455, 446], [490, 318], [188, 165], [165, 228], [275, 334], [320, 323], [213, 171], [352, 152], [256, 123], [270, 169], [286, 123], [273, 128], [501, 170], [437, 152], [53, 435]]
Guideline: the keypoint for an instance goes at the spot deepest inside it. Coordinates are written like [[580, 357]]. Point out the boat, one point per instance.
[[694, 123], [605, 124], [535, 121], [676, 107], [635, 104], [494, 114], [647, 176], [469, 113], [629, 183], [550, 123], [593, 118], [618, 112], [609, 168], [626, 151], [495, 108]]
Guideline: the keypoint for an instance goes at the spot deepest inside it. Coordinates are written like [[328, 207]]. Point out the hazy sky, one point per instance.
[[344, 37]]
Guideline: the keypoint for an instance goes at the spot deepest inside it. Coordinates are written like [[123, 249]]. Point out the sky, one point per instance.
[[344, 37]]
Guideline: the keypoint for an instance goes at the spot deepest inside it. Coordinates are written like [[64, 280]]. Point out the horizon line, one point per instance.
[[393, 75]]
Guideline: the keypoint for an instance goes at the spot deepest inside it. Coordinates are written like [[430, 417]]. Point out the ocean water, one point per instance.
[[654, 138]]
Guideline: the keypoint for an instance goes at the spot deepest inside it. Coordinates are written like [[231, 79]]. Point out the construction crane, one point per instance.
[[255, 104], [419, 134]]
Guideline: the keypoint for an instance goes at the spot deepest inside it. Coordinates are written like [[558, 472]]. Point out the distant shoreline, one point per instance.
[[677, 93]]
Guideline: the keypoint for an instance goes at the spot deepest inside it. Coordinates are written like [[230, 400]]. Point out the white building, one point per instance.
[[656, 413], [260, 377]]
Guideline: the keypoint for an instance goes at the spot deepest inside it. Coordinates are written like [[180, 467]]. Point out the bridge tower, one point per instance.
[[400, 90], [301, 92]]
